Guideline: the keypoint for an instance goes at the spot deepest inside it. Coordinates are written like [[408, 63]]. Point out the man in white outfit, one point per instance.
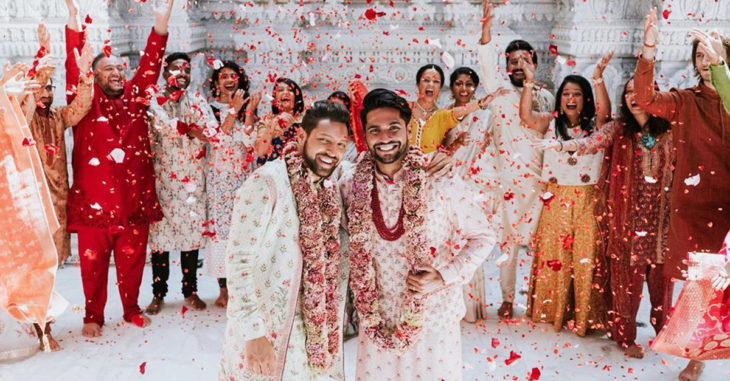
[[518, 162]]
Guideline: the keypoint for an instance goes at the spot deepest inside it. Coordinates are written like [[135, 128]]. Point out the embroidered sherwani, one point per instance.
[[264, 269], [48, 127], [180, 173], [457, 227], [519, 164]]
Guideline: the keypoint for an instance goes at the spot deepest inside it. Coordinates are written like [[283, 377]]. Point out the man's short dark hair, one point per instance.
[[516, 45], [176, 56], [335, 112], [384, 98], [96, 60]]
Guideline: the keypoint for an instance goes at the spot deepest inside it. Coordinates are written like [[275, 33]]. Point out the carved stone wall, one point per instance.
[[324, 44]]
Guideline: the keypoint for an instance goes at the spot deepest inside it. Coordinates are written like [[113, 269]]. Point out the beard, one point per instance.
[[314, 165], [518, 82], [398, 154]]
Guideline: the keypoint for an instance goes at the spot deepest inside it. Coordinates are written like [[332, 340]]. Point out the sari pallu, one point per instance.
[[699, 323], [28, 257]]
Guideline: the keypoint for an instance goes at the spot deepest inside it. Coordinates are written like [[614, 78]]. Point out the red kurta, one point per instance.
[[700, 214], [109, 192]]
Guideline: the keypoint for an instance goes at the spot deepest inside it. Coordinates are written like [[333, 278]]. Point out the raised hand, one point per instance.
[[85, 59], [601, 66], [162, 16], [253, 103], [44, 38], [11, 72], [710, 46], [528, 66], [651, 34], [237, 100], [73, 15], [487, 19]]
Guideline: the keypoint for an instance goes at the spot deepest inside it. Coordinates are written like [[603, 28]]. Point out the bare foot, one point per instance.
[[222, 300], [505, 311], [155, 305], [91, 330], [692, 372], [195, 302], [52, 343], [634, 351]]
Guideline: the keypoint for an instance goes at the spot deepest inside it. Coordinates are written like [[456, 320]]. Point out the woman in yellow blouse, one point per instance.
[[430, 124]]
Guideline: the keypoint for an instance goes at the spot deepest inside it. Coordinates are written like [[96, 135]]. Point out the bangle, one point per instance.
[[528, 85], [483, 107], [561, 145], [598, 80], [649, 46]]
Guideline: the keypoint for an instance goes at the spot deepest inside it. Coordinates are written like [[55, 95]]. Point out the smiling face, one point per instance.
[[227, 82], [325, 146], [429, 85], [463, 89], [571, 101], [515, 66], [109, 75], [284, 97], [386, 135], [180, 70]]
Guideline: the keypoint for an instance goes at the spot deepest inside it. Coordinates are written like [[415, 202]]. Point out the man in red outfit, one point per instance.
[[112, 200]]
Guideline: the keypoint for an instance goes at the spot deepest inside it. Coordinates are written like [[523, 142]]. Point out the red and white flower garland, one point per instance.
[[362, 234], [319, 221]]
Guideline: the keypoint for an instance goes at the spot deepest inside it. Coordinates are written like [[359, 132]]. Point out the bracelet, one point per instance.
[[486, 105], [649, 46], [528, 85], [597, 81], [561, 145]]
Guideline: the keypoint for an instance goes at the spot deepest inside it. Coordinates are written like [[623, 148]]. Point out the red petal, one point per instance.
[[495, 342], [512, 358], [553, 49], [88, 19], [51, 148], [27, 142], [666, 13], [142, 365], [534, 375], [183, 310], [107, 50]]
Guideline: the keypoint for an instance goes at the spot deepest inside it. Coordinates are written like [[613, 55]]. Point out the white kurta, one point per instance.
[[457, 227], [229, 164], [518, 163], [180, 174], [264, 269]]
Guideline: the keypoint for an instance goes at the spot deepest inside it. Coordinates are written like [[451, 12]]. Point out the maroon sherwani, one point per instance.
[[112, 199], [700, 214]]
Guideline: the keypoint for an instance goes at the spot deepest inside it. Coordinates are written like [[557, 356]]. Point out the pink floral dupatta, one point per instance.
[[28, 257], [699, 323]]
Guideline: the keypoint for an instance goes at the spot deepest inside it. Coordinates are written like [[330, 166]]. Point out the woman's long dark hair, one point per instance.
[[587, 114], [631, 127], [298, 96], [243, 84]]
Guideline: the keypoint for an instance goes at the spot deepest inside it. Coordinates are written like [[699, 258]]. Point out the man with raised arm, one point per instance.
[[519, 163], [112, 200], [700, 192]]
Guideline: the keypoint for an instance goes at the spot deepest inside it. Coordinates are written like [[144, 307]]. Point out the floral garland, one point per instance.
[[319, 220], [362, 270]]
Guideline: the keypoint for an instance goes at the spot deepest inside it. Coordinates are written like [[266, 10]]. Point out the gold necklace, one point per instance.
[[426, 113]]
